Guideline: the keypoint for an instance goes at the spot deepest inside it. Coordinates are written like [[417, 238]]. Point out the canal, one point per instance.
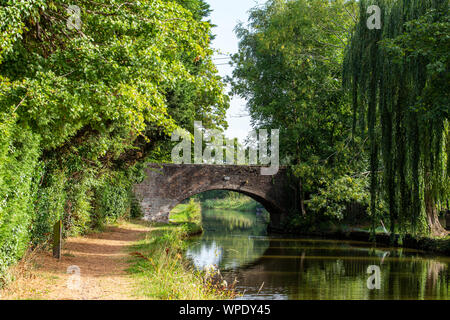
[[285, 267]]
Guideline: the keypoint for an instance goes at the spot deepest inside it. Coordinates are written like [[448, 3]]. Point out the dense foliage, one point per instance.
[[81, 109], [378, 143], [289, 69], [399, 78], [86, 101]]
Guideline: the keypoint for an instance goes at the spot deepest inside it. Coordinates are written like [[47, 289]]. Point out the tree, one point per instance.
[[84, 105], [398, 75], [289, 70]]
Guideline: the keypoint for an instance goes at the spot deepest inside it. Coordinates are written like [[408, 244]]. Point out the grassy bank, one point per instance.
[[189, 214], [158, 265], [435, 245], [339, 231], [231, 203]]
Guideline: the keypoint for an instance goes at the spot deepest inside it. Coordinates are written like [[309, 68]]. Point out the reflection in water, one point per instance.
[[288, 268], [229, 239]]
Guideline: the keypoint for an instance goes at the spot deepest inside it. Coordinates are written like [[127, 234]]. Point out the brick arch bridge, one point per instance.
[[166, 185]]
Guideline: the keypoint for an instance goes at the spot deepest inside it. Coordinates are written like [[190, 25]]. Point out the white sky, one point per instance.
[[226, 15]]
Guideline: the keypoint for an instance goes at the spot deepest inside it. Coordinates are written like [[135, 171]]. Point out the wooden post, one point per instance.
[[57, 239]]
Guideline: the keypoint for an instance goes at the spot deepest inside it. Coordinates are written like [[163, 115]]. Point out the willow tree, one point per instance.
[[398, 75]]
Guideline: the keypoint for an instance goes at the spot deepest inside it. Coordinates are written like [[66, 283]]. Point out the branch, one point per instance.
[[21, 101], [101, 13], [352, 16]]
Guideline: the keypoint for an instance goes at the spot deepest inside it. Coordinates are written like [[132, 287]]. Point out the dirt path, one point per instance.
[[101, 259]]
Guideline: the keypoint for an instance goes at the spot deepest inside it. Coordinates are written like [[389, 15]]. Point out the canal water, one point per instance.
[[283, 267]]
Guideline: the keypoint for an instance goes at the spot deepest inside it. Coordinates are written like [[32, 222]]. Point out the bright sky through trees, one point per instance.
[[226, 15]]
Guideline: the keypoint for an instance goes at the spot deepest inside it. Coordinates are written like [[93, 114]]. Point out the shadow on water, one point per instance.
[[291, 268]]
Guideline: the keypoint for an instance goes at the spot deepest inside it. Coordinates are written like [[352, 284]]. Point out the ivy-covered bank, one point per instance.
[[83, 106], [19, 171]]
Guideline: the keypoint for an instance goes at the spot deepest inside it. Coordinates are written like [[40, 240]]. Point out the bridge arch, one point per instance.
[[271, 207], [166, 185]]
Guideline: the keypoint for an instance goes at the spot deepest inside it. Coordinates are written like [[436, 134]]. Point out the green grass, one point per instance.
[[189, 214], [162, 273], [158, 265]]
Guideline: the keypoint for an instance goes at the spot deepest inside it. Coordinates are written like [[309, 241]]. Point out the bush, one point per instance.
[[49, 204], [19, 152], [78, 208], [135, 207], [113, 200], [193, 211], [189, 212]]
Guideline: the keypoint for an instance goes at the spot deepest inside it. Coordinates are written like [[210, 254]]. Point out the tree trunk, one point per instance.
[[434, 225], [300, 186], [302, 200]]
